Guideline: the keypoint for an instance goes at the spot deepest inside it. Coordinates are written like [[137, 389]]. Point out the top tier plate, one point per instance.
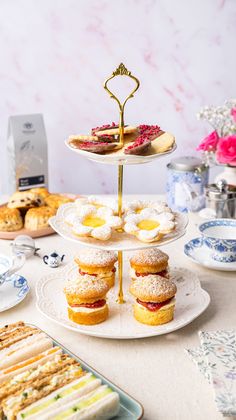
[[119, 158]]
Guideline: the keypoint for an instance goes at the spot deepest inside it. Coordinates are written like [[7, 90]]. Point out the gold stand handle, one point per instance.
[[121, 71]]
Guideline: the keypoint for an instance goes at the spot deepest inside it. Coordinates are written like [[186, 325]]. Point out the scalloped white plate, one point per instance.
[[120, 241], [119, 158], [191, 301]]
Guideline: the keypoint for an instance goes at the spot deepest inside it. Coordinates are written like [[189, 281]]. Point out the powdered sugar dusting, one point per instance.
[[96, 257], [84, 285], [153, 287], [151, 256]]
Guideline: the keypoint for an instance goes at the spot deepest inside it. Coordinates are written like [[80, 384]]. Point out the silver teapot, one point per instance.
[[53, 260]]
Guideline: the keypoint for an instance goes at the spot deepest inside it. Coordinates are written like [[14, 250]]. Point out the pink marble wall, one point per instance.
[[55, 55]]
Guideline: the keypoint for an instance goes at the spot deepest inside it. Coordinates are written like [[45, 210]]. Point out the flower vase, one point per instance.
[[229, 174]]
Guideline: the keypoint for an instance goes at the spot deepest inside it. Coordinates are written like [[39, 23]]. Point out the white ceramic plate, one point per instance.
[[120, 241], [191, 301], [200, 254], [119, 158], [14, 289]]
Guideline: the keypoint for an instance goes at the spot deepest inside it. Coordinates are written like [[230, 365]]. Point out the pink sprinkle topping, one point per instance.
[[92, 144], [104, 127], [147, 133]]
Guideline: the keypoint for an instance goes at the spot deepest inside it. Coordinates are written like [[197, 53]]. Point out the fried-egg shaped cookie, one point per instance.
[[149, 226], [97, 202], [137, 206], [97, 223]]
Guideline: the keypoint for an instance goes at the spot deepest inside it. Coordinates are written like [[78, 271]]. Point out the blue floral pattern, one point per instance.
[[197, 182], [216, 360], [224, 250]]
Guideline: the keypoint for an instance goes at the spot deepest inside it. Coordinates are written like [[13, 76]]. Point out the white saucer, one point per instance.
[[191, 301], [13, 291], [201, 254]]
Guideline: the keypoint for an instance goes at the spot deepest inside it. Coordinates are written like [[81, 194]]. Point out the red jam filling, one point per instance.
[[153, 306], [83, 273], [163, 273], [98, 304]]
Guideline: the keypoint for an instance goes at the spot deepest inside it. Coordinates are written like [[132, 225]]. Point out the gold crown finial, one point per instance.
[[122, 71]]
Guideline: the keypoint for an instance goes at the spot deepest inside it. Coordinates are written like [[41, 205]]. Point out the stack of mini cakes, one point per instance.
[[86, 295], [152, 288]]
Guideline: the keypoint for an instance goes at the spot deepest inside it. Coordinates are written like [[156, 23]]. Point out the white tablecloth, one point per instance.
[[156, 371]]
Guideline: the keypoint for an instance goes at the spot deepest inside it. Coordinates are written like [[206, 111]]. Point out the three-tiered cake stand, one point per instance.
[[120, 323]]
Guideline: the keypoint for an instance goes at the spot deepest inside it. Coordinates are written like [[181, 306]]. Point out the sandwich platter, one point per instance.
[[191, 301], [129, 407]]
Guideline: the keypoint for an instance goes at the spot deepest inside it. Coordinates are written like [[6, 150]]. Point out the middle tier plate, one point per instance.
[[120, 241]]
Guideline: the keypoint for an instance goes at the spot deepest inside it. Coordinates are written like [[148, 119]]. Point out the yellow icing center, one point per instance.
[[93, 222], [147, 224]]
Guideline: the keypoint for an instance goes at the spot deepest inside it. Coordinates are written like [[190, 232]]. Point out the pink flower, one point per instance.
[[210, 142], [233, 113], [226, 150]]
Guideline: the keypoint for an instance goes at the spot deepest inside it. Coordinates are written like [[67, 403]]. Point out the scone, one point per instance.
[[55, 200], [155, 300], [149, 262], [25, 200], [42, 191], [98, 264], [37, 218], [10, 220], [86, 300]]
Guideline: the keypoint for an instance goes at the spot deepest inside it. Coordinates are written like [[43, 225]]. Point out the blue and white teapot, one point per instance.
[[53, 260]]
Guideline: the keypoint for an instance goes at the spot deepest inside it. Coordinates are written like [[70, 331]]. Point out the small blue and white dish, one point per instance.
[[219, 235], [9, 266], [199, 253], [14, 289]]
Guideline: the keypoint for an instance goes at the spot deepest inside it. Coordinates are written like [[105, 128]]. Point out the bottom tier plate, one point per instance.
[[191, 301]]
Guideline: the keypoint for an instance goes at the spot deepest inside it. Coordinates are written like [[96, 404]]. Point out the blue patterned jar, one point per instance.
[[186, 178]]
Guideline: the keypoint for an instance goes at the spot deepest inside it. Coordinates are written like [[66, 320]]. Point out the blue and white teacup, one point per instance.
[[219, 235], [9, 266]]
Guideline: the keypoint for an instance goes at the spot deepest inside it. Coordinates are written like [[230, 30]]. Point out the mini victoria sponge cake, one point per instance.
[[97, 263], [150, 261], [86, 300], [155, 301]]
